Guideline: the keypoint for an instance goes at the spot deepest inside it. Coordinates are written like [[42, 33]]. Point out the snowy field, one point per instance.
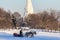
[[7, 35]]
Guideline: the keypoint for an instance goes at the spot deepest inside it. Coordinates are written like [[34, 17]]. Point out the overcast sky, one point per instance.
[[18, 5]]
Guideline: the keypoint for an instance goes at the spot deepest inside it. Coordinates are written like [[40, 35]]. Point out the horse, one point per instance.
[[30, 34]]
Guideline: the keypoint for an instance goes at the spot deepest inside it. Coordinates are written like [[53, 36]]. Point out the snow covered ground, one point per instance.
[[7, 35]]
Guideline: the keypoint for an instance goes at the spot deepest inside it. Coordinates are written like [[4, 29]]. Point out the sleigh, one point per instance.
[[17, 35]]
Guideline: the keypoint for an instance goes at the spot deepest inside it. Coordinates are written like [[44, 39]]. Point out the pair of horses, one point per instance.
[[27, 34]]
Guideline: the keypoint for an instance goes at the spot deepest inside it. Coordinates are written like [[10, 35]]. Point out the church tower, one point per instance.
[[29, 7]]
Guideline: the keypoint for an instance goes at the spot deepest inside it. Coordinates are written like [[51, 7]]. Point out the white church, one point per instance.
[[28, 10]]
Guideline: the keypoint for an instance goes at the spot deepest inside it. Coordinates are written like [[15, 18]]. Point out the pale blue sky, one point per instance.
[[18, 5]]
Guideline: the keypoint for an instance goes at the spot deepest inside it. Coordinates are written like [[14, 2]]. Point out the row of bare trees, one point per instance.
[[43, 20]]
